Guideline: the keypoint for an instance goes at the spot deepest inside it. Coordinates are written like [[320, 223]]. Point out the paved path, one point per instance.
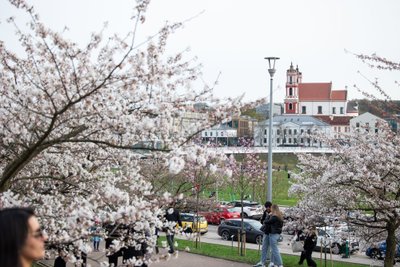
[[189, 259]]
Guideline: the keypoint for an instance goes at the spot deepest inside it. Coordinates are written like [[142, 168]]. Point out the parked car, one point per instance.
[[335, 238], [229, 229], [190, 224], [220, 214], [378, 251], [250, 209]]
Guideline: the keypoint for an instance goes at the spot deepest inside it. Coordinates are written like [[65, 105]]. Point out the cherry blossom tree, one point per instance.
[[73, 118], [359, 182], [247, 171]]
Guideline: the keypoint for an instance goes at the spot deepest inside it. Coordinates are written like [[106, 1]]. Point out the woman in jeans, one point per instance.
[[275, 222]]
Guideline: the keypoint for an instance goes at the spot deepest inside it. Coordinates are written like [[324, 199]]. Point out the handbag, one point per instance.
[[297, 246]]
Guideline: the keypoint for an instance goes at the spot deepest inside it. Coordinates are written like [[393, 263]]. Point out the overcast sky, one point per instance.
[[233, 37]]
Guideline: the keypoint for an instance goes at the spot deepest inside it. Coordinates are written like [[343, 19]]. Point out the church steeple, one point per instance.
[[292, 92]]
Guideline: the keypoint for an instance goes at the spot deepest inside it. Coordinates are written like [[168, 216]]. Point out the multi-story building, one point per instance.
[[244, 124], [291, 130], [366, 122], [220, 134], [339, 125], [312, 98]]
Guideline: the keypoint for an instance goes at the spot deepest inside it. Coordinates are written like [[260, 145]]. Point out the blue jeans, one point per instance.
[[265, 249], [275, 255]]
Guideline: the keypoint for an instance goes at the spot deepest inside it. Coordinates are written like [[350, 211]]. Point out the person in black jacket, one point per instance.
[[172, 216], [265, 251], [275, 222], [310, 242]]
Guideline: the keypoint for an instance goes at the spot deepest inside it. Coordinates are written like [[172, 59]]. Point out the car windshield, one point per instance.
[[255, 224], [231, 210]]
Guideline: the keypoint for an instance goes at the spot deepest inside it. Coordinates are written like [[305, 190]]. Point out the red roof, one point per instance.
[[315, 91], [335, 120], [320, 92], [339, 95]]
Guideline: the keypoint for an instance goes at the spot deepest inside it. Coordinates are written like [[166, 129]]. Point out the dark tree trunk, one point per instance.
[[390, 245]]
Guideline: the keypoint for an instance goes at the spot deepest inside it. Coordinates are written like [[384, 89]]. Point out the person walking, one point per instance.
[[173, 217], [310, 242], [21, 239], [265, 249], [275, 222]]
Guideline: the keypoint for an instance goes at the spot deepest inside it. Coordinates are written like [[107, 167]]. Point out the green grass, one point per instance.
[[280, 183], [252, 256]]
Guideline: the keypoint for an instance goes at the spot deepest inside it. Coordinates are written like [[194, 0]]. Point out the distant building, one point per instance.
[[291, 130], [365, 122], [339, 125], [220, 134], [263, 110], [244, 125], [312, 98]]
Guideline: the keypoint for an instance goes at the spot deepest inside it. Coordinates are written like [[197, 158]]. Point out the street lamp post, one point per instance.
[[271, 70]]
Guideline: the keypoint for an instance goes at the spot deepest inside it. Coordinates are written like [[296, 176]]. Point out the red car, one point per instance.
[[220, 214]]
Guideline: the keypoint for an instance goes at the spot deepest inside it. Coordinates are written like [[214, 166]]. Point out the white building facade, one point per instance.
[[366, 122], [291, 130]]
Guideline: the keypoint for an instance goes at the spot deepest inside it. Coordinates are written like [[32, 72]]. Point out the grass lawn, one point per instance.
[[280, 183], [252, 256]]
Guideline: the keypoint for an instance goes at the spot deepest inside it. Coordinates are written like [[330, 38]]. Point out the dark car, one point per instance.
[[378, 251], [229, 228]]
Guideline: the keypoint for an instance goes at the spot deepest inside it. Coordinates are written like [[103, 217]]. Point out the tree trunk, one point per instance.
[[242, 225], [390, 244]]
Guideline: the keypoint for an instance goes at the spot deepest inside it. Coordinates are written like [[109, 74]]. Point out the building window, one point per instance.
[[222, 133], [290, 79], [376, 130], [335, 129], [334, 110], [295, 140], [341, 110], [290, 106], [295, 131], [265, 140], [301, 131], [319, 109], [277, 140], [309, 131], [357, 124], [205, 133], [303, 110], [265, 131], [301, 140], [290, 91], [290, 131], [290, 140], [210, 133], [339, 129], [278, 132], [284, 132], [308, 140]]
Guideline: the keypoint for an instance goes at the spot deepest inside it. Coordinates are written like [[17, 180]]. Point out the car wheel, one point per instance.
[[375, 254], [259, 240], [225, 235], [244, 215]]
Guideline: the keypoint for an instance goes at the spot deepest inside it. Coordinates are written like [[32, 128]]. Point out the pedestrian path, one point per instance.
[[193, 260]]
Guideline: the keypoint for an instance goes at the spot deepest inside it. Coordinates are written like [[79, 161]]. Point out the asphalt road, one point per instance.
[[284, 246]]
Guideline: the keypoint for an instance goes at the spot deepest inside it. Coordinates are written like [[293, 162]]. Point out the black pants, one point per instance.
[[306, 255]]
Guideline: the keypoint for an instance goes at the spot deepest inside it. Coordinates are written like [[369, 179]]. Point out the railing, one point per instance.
[[264, 150]]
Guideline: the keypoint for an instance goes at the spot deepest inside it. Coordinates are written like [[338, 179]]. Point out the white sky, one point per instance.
[[233, 37]]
